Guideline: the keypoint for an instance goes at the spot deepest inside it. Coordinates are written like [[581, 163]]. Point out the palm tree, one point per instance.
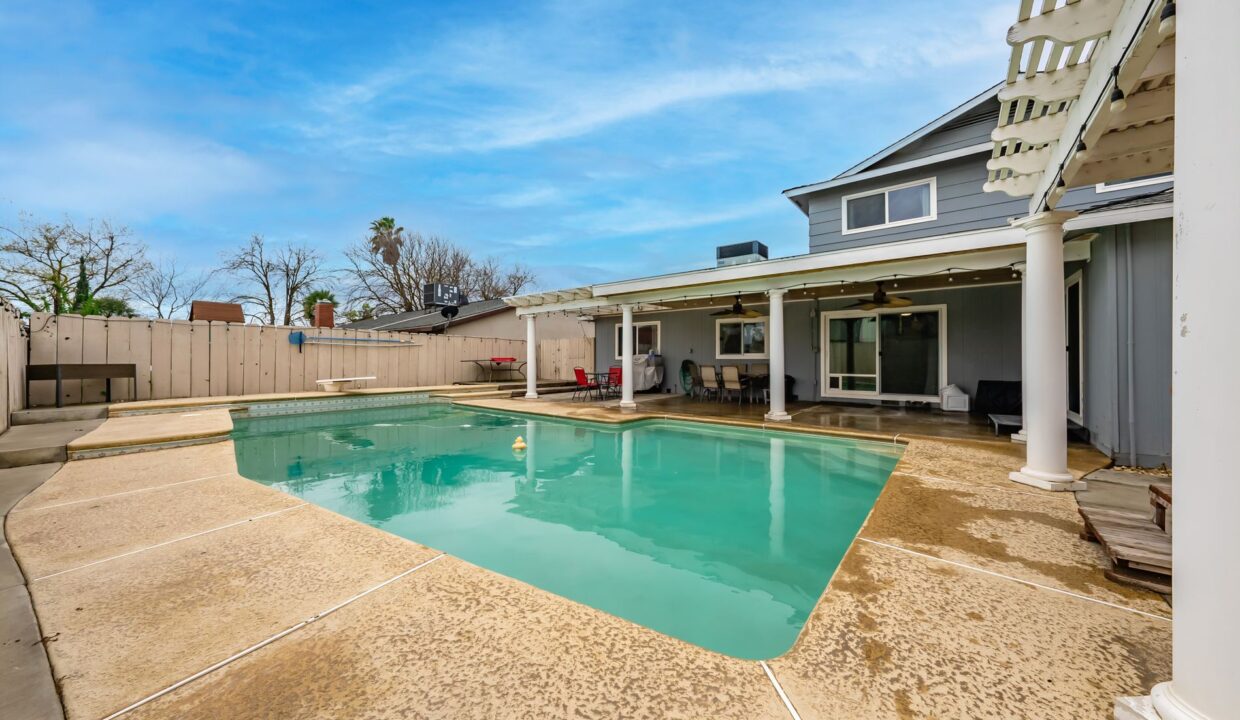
[[313, 298], [386, 239]]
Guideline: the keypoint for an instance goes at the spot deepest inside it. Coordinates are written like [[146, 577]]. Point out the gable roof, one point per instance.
[[429, 320], [866, 168]]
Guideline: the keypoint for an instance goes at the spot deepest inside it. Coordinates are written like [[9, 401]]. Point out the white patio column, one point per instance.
[[626, 475], [775, 348], [1023, 435], [775, 497], [626, 360], [1044, 343], [531, 358], [1206, 633]]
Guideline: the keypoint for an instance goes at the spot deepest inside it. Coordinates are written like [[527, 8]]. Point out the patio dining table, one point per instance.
[[490, 366]]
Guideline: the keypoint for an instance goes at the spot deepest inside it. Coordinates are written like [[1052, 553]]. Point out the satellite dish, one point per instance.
[[449, 311]]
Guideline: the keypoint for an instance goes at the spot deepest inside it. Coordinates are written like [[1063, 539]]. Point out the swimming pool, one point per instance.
[[721, 537]]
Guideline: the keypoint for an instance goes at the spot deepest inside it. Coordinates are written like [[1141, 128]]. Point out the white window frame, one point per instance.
[[1106, 187], [658, 346], [934, 206], [743, 355], [826, 392]]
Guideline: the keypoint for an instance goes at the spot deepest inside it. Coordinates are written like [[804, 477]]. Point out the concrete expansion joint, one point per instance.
[[779, 690], [120, 494], [264, 643], [1028, 583], [172, 541]]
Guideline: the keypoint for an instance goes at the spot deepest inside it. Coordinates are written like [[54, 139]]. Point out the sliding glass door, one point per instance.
[[895, 353]]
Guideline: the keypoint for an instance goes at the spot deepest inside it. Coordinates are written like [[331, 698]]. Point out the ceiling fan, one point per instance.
[[880, 299], [737, 310]]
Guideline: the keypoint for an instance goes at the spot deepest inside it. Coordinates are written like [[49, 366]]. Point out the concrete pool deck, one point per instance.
[[166, 577]]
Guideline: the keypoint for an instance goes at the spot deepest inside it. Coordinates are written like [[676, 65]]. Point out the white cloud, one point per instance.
[[528, 197], [125, 173], [640, 216]]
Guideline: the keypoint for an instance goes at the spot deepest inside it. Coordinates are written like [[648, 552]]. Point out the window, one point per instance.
[[646, 337], [889, 207], [740, 338], [1134, 183], [890, 353]]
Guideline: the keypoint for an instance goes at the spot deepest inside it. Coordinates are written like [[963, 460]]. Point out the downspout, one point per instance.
[[815, 341], [1132, 383]]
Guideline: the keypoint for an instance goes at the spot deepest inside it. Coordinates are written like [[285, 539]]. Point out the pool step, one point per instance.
[[43, 443], [39, 416]]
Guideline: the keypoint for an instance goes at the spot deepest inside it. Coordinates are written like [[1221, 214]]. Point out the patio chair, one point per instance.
[[585, 386], [732, 383], [615, 381], [710, 382]]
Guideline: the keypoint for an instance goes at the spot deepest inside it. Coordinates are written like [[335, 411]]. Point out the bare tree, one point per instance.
[[39, 262], [167, 289], [389, 268], [489, 280], [274, 279]]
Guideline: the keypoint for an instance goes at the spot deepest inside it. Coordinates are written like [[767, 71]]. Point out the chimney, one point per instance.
[[324, 315]]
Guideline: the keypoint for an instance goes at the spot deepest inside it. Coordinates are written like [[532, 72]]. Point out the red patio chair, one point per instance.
[[615, 380], [584, 384]]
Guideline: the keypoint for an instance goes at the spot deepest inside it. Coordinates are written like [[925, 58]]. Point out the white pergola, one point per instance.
[[1092, 95]]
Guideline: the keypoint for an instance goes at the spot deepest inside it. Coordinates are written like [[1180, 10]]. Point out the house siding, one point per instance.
[[983, 337], [1106, 410], [962, 205]]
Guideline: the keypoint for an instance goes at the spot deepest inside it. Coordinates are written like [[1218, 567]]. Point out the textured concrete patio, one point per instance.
[[168, 586]]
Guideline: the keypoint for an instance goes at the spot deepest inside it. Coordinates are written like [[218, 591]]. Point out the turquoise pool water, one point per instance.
[[721, 537]]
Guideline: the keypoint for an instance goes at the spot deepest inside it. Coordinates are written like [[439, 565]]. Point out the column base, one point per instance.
[[1171, 706], [628, 406], [1021, 437], [531, 395], [1045, 480], [777, 417]]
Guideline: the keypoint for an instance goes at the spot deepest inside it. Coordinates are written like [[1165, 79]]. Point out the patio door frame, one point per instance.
[[827, 393], [1078, 279]]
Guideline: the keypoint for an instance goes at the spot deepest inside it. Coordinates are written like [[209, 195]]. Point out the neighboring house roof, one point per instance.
[[429, 320], [866, 168]]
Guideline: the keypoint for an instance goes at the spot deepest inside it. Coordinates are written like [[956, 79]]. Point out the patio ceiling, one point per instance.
[[989, 265], [1089, 97]]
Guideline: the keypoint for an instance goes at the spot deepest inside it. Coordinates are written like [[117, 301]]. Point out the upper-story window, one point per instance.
[[905, 204]]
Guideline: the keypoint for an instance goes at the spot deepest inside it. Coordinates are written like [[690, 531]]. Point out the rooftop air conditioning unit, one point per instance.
[[441, 295], [739, 253]]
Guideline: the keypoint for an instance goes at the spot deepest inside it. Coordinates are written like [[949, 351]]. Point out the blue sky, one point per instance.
[[589, 140]]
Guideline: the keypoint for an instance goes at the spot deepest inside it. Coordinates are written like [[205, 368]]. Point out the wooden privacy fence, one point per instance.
[[12, 363], [558, 356], [180, 358]]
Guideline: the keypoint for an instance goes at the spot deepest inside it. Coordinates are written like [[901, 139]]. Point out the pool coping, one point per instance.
[[860, 545]]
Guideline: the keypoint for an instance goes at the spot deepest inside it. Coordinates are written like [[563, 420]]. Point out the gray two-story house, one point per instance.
[[912, 282]]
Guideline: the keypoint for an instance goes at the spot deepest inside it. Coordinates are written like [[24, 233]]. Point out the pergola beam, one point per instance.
[[1038, 131], [1055, 85], [1154, 162], [1068, 24], [1090, 114]]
